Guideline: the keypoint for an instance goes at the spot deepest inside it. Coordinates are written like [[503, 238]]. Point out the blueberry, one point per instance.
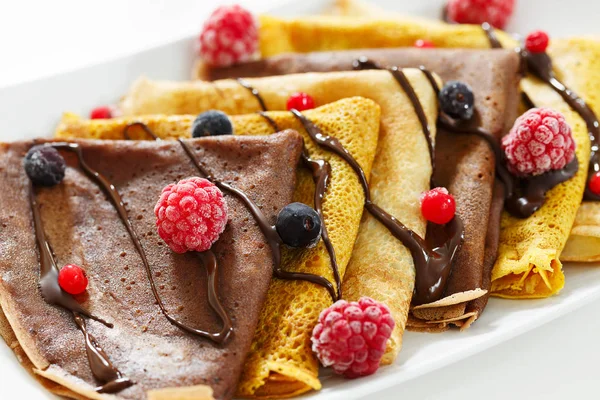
[[44, 165], [212, 123], [299, 225], [456, 100]]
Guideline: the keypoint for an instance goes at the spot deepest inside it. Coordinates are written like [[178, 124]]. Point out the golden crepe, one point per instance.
[[528, 265], [399, 122], [577, 63]]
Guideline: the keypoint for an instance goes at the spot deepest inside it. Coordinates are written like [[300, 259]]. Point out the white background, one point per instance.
[[40, 38]]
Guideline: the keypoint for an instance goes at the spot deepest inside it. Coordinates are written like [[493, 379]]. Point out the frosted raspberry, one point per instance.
[[190, 215], [229, 36], [540, 141], [351, 337], [495, 12]]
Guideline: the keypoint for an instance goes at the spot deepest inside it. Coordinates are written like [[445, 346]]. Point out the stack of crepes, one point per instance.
[[465, 164], [281, 362], [528, 264]]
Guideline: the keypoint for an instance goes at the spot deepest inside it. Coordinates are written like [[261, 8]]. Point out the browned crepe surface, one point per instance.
[[83, 228], [465, 164]]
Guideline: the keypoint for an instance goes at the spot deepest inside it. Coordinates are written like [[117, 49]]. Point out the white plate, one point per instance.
[[36, 106]]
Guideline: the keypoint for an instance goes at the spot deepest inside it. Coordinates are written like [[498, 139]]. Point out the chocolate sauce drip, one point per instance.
[[540, 65], [269, 120], [141, 125], [524, 196], [48, 283], [490, 32], [321, 172], [100, 365], [268, 230], [254, 92], [432, 258], [115, 198], [363, 63]]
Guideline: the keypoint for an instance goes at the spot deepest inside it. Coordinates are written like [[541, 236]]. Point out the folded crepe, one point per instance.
[[576, 63], [83, 227], [465, 165], [536, 244], [398, 123]]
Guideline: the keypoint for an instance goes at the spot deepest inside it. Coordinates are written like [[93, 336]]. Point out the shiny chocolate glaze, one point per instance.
[[540, 65], [321, 172], [433, 258], [268, 230], [254, 92], [100, 365]]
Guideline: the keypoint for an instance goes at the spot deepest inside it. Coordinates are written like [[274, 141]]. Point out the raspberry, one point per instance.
[[190, 215], [300, 101], [44, 165], [424, 44], [537, 42], [229, 36], [351, 337], [495, 12], [438, 206], [102, 112], [540, 141], [72, 279]]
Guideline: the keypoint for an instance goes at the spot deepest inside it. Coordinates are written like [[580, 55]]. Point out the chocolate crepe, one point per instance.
[[465, 163], [83, 228]]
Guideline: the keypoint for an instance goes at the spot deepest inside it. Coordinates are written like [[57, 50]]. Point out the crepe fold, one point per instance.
[[83, 228], [526, 246], [397, 115], [281, 362], [577, 63], [465, 165]]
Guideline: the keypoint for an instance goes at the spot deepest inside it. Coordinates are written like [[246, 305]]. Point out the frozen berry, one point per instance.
[[300, 101], [438, 206], [540, 141], [457, 100], [229, 36], [102, 112], [298, 225], [190, 215], [537, 42], [44, 165], [72, 279], [495, 12], [352, 337], [594, 184], [424, 44], [212, 123]]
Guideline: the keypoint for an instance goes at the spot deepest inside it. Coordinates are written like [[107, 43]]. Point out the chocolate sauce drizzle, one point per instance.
[[218, 337], [433, 257], [363, 63], [100, 365], [254, 92], [268, 230], [540, 64], [321, 172]]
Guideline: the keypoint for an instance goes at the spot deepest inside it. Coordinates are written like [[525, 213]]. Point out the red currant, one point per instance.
[[102, 112], [424, 44], [438, 206], [594, 184], [300, 101], [72, 279], [537, 42]]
